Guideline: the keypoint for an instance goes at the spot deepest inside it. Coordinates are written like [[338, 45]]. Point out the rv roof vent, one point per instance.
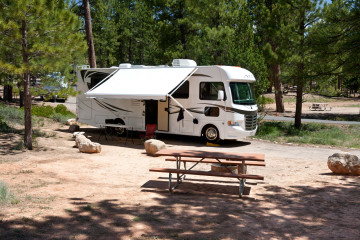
[[183, 63], [125, 65]]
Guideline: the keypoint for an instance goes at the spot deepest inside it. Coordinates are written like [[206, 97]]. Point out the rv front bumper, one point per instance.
[[237, 132]]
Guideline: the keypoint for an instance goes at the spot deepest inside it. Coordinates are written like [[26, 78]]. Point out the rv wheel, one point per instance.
[[119, 131], [211, 134]]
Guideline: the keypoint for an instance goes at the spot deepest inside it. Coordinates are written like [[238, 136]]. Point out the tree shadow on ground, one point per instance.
[[332, 116], [10, 142], [328, 212]]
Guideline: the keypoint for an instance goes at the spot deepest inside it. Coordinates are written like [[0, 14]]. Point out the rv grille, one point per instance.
[[250, 122]]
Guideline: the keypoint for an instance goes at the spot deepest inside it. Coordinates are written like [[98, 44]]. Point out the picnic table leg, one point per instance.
[[170, 188], [241, 187], [178, 167], [242, 180]]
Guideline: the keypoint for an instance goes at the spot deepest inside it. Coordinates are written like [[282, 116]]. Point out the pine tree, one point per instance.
[[43, 37], [305, 13], [89, 34], [273, 25]]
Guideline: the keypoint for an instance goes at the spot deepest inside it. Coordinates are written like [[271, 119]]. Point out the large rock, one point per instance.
[[74, 128], [78, 133], [152, 146], [344, 164], [90, 147], [81, 139], [71, 121]]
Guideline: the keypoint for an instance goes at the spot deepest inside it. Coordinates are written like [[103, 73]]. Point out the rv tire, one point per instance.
[[211, 134]]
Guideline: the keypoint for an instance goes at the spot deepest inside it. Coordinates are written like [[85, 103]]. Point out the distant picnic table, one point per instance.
[[319, 106]]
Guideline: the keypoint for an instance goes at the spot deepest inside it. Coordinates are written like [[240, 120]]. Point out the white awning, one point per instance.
[[141, 83]]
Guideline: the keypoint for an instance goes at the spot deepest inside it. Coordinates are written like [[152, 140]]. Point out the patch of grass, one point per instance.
[[311, 133], [26, 171], [356, 106], [19, 145], [6, 196]]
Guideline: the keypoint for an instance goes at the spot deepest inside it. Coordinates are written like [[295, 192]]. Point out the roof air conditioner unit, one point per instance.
[[125, 65], [183, 63]]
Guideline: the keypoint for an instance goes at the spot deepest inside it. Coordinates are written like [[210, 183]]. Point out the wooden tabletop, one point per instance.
[[211, 154]]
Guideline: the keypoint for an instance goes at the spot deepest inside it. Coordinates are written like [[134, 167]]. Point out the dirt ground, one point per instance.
[[64, 194], [334, 106]]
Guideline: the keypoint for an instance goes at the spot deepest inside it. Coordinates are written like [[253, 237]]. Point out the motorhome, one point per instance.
[[215, 102]]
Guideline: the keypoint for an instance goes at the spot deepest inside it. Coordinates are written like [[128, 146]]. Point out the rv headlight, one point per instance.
[[230, 123]]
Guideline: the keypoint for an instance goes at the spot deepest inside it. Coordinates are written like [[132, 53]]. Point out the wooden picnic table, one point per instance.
[[319, 106], [223, 158]]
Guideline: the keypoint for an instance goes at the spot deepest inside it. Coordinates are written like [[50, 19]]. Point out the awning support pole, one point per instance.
[[179, 104]]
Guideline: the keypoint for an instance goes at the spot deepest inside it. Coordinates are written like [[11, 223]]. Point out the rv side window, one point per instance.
[[96, 78], [209, 90], [211, 111], [182, 91]]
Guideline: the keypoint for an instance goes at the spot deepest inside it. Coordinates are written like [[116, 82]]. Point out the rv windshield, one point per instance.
[[242, 93]]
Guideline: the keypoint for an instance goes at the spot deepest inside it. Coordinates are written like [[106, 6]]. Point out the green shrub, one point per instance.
[[11, 114], [264, 100], [61, 108], [42, 111]]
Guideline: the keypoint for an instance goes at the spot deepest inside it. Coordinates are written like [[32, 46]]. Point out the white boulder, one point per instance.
[[78, 133], [153, 145], [344, 164], [90, 147], [81, 139]]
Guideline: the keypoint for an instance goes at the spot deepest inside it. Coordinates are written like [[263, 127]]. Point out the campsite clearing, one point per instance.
[[62, 193]]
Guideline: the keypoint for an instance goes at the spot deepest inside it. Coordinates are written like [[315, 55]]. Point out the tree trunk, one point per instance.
[[298, 111], [277, 84], [301, 73], [89, 35], [8, 97], [27, 93]]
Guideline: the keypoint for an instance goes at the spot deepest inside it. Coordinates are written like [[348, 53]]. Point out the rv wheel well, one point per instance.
[[115, 121]]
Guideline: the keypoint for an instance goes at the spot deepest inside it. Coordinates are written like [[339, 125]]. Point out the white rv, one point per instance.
[[216, 102]]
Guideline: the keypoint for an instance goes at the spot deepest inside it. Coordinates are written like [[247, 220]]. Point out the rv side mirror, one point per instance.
[[221, 95]]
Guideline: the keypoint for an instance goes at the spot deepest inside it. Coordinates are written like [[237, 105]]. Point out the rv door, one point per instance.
[[163, 115]]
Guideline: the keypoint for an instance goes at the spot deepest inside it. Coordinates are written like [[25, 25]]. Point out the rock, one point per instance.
[[71, 121], [152, 146], [344, 164], [81, 139], [90, 147], [74, 128], [78, 133]]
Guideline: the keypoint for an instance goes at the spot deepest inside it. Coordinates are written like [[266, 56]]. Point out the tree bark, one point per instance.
[[8, 97], [27, 93], [301, 74], [89, 35], [277, 85], [299, 98]]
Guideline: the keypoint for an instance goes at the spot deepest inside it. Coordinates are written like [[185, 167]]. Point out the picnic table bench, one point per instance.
[[242, 160], [319, 106]]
